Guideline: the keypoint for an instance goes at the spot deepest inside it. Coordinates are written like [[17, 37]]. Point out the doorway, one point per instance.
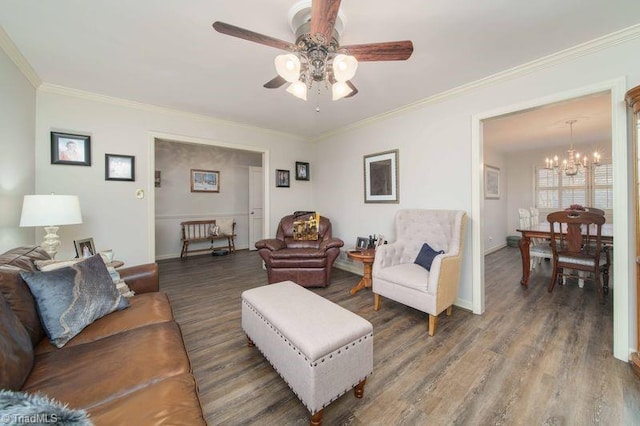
[[621, 271], [231, 162]]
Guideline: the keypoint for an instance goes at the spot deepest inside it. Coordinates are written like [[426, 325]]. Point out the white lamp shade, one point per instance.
[[298, 89], [288, 67], [50, 210], [344, 67], [339, 90]]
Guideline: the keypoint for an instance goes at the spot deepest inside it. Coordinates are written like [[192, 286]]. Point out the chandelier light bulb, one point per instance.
[[344, 67], [288, 67], [298, 89], [339, 90]]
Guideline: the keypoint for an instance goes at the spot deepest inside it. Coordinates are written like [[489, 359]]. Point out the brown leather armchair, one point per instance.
[[307, 263]]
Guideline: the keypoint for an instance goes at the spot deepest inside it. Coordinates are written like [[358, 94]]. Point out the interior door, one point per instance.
[[256, 201]]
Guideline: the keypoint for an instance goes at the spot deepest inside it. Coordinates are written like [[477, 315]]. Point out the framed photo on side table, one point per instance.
[[205, 180], [119, 167], [85, 244], [70, 149]]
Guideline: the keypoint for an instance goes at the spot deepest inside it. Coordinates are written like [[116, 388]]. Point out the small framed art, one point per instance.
[[205, 180], [302, 171], [491, 182], [85, 247], [282, 178], [70, 149], [119, 167], [362, 243]]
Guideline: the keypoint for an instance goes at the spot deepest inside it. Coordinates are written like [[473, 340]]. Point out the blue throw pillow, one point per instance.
[[426, 256], [71, 298]]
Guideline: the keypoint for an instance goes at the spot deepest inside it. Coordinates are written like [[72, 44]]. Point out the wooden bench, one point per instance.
[[199, 231]]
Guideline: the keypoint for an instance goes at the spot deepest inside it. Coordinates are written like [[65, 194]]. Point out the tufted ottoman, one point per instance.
[[319, 348]]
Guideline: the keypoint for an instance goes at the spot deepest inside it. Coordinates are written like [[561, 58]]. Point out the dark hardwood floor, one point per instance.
[[532, 358]]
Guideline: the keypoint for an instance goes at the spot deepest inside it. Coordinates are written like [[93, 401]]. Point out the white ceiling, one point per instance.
[[165, 52]]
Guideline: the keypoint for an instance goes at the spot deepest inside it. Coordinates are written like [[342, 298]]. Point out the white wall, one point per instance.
[[112, 214], [434, 140], [17, 157], [495, 211], [176, 203]]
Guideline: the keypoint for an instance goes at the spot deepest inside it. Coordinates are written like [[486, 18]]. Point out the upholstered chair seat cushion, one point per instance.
[[408, 275], [578, 261]]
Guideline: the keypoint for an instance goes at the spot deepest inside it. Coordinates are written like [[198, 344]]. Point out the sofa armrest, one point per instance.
[[331, 243], [141, 278], [272, 244]]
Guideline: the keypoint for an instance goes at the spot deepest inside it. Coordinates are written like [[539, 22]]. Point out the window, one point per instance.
[[590, 187]]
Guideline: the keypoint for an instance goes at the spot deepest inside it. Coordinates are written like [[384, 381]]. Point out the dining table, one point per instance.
[[543, 230]]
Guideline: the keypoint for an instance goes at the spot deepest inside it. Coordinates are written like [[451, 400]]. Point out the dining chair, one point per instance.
[[576, 243], [538, 248]]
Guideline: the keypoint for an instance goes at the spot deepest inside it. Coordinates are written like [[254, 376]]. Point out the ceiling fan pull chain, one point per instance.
[[318, 100]]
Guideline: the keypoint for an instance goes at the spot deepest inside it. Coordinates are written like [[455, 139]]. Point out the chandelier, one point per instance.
[[573, 164]]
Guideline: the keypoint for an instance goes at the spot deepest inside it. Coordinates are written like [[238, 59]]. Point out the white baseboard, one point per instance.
[[177, 255], [494, 249], [349, 266]]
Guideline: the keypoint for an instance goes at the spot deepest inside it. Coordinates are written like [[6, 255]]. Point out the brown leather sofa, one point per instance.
[[306, 262], [128, 367]]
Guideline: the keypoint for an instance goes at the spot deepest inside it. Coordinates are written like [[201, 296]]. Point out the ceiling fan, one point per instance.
[[316, 55]]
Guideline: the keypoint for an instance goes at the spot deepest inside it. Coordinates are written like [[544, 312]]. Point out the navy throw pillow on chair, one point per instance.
[[426, 256]]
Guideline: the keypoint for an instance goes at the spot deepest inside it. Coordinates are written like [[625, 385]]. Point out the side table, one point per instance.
[[366, 257], [116, 263]]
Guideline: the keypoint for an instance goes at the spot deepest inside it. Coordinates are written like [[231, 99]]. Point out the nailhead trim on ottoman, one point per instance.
[[320, 349]]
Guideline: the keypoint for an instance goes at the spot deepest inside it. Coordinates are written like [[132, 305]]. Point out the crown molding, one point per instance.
[[126, 103], [557, 58], [23, 65]]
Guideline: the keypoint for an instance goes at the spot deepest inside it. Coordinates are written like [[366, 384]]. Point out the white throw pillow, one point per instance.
[[226, 225]]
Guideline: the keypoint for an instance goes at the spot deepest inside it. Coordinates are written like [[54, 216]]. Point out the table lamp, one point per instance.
[[50, 211]]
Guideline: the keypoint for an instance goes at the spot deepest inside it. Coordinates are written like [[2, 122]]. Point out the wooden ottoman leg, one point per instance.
[[358, 391], [250, 342], [316, 419]]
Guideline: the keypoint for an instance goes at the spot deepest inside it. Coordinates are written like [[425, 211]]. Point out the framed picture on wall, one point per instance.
[[491, 182], [282, 178], [381, 177], [302, 171], [70, 149], [205, 180], [119, 167]]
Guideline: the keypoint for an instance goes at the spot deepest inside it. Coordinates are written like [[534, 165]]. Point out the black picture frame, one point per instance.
[[74, 150], [362, 243], [81, 244], [302, 171], [283, 178], [119, 167]]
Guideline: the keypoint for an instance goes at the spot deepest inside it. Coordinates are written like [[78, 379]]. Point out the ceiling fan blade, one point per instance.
[[387, 51], [274, 83], [323, 19], [234, 31], [355, 90]]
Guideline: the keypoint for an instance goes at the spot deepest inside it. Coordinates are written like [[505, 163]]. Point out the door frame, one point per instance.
[[251, 170], [151, 203], [623, 268]]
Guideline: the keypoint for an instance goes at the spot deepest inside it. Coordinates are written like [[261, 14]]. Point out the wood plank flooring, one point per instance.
[[532, 358]]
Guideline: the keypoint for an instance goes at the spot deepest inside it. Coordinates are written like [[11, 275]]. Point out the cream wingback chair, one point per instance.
[[397, 277]]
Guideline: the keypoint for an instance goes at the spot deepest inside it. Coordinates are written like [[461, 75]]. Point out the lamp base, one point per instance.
[[51, 241]]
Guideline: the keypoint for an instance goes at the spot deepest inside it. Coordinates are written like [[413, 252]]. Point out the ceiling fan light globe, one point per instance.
[[344, 67], [298, 89], [288, 67], [339, 90]]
